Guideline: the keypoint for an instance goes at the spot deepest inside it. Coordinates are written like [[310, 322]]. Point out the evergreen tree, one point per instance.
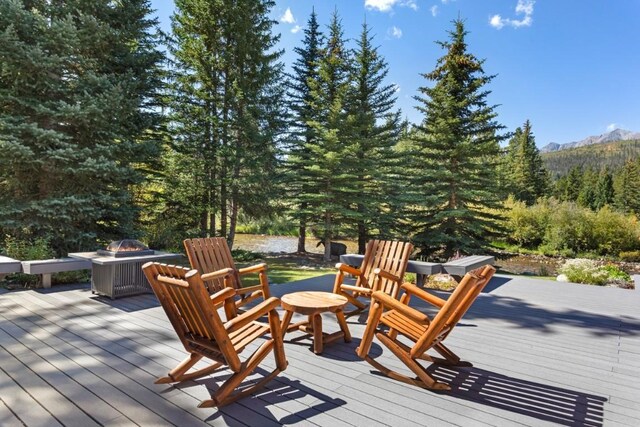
[[374, 129], [526, 177], [454, 186], [303, 111], [79, 86], [227, 104], [573, 184], [330, 187], [627, 188], [604, 193], [587, 194]]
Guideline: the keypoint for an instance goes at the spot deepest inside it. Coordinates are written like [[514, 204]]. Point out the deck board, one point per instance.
[[544, 353]]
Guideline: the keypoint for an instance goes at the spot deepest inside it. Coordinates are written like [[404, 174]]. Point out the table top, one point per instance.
[[104, 259], [310, 302]]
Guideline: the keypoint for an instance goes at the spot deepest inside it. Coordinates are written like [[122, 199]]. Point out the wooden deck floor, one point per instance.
[[544, 353]]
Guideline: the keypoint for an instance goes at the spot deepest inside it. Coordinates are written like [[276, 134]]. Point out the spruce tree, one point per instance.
[[227, 105], [587, 195], [330, 188], [454, 186], [573, 184], [604, 194], [79, 85], [373, 129], [524, 172], [303, 112], [627, 188]]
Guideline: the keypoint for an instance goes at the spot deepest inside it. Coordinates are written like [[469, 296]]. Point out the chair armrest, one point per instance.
[[359, 289], [222, 295], [396, 305], [423, 295], [386, 275], [348, 269], [249, 316], [249, 289], [253, 269], [217, 274]]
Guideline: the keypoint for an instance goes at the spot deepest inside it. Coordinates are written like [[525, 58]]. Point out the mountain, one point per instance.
[[614, 135]]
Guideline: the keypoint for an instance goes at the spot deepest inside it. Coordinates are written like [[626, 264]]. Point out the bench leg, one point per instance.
[[46, 280]]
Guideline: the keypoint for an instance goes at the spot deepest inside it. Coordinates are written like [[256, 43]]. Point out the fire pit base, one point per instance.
[[119, 280], [122, 276]]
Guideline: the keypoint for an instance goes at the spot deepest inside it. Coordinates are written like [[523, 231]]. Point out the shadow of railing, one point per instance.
[[533, 399]]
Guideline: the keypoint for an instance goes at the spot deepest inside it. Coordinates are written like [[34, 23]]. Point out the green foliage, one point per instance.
[[629, 256], [27, 247], [79, 86], [564, 228], [240, 255], [627, 187], [615, 273], [524, 172], [584, 271], [275, 225], [452, 195]]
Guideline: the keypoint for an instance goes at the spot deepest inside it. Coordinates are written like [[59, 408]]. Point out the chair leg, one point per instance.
[[360, 307], [367, 337], [178, 374], [450, 358], [425, 378], [224, 394]]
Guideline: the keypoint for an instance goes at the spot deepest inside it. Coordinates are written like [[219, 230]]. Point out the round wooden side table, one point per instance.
[[313, 304]]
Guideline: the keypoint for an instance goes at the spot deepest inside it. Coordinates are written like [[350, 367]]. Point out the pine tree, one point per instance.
[[228, 111], [573, 184], [526, 177], [627, 188], [303, 111], [604, 194], [374, 129], [79, 85], [330, 187], [454, 187], [587, 195]]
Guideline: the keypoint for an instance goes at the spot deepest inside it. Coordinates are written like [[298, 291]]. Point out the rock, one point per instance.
[[562, 278]]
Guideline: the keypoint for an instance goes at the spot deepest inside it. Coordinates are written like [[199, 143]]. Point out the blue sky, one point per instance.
[[572, 67]]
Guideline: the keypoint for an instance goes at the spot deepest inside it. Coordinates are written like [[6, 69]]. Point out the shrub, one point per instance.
[[570, 227], [526, 224], [27, 249], [629, 256], [584, 271], [614, 232], [615, 273], [240, 255]]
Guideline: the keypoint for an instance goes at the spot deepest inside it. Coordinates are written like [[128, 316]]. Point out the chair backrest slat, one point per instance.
[[387, 255], [456, 306], [186, 302], [210, 254]]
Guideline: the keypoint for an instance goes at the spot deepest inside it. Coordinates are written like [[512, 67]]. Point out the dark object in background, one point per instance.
[[337, 249]]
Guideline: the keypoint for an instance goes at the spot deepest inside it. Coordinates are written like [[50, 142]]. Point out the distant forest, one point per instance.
[[612, 155]]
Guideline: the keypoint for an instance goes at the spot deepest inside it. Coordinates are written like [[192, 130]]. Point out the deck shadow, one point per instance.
[[537, 400]]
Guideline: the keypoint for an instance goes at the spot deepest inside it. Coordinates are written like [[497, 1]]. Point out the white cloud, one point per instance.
[[296, 28], [524, 7], [395, 32], [434, 10], [288, 18], [387, 5], [612, 126]]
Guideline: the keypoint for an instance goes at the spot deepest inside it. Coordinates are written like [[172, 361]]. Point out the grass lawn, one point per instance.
[[289, 268]]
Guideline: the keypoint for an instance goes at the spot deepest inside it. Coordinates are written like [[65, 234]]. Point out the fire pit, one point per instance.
[[126, 248], [117, 270]]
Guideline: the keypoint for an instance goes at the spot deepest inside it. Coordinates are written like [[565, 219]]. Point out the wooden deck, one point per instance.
[[544, 353]]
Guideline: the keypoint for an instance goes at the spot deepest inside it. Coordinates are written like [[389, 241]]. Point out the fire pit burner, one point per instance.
[[126, 248]]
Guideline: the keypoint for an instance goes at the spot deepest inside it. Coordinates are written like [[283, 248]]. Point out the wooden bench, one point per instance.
[[46, 267], [457, 268], [8, 266]]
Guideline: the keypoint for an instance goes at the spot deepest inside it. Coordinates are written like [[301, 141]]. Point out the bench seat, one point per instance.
[[46, 267]]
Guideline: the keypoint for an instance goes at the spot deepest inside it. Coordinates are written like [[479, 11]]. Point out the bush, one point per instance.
[[614, 232], [629, 256], [27, 249], [526, 224], [615, 273], [584, 271], [570, 227], [240, 255]]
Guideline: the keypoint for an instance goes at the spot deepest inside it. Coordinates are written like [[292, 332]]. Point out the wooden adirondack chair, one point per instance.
[[400, 319], [212, 258], [382, 269], [193, 314]]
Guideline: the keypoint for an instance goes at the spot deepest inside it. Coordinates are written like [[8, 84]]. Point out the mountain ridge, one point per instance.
[[614, 135]]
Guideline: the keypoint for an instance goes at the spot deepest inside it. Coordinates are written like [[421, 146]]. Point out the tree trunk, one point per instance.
[[302, 230], [362, 232], [327, 236]]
